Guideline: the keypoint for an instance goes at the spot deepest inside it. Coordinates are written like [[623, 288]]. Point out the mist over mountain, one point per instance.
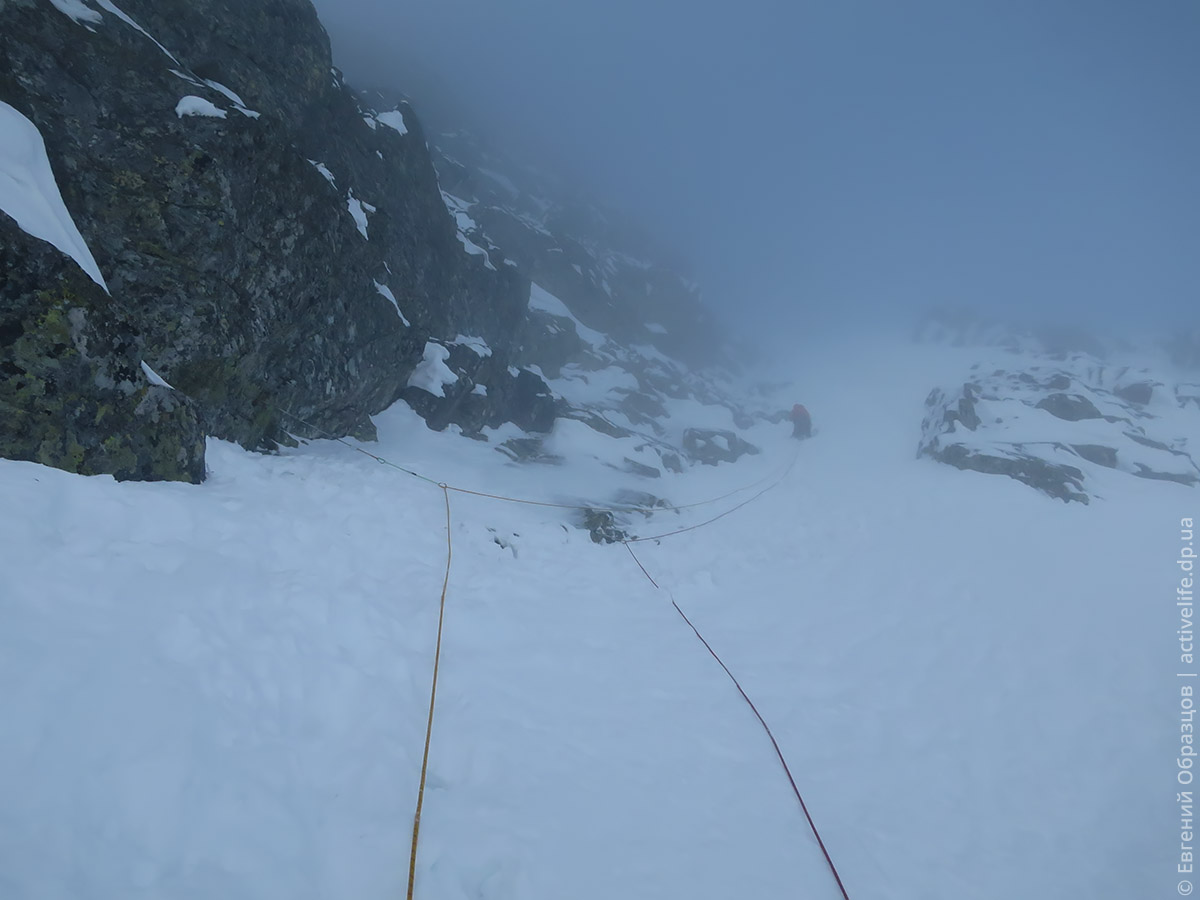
[[830, 164]]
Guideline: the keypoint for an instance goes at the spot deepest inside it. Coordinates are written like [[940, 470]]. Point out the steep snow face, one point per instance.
[[29, 192], [221, 690]]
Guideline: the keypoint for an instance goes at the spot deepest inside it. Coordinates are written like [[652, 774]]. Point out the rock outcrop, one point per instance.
[[1053, 426], [271, 245], [278, 248], [73, 393]]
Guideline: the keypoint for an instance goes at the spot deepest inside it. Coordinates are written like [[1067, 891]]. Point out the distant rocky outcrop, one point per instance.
[[1053, 426]]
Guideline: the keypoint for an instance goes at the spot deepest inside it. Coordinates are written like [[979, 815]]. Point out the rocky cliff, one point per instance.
[[276, 256]]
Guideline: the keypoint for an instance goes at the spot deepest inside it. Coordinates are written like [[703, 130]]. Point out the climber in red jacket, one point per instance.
[[801, 422]]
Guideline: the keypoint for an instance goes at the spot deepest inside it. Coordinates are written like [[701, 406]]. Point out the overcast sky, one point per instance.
[[850, 157]]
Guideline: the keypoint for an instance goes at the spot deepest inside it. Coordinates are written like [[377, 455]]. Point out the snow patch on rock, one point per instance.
[[29, 192], [432, 374], [191, 105]]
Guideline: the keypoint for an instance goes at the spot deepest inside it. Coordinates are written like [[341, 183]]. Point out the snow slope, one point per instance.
[[221, 690]]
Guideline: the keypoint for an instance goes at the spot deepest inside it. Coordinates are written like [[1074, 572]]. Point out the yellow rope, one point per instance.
[[437, 658]]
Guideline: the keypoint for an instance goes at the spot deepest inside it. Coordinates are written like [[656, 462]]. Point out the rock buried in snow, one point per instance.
[[710, 446], [1051, 426], [603, 527]]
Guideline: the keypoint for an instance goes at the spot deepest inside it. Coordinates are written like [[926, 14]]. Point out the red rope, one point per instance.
[[767, 728]]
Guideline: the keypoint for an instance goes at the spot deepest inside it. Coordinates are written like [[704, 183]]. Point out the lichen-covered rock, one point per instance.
[[288, 254], [73, 393]]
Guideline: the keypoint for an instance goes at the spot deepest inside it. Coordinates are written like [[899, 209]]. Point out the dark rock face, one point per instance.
[[517, 396], [1062, 482], [234, 262], [603, 527], [1095, 453], [72, 390], [283, 254], [605, 269], [1139, 393], [1102, 416], [1071, 407], [710, 447]]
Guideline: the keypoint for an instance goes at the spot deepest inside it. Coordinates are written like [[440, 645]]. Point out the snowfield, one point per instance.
[[221, 690]]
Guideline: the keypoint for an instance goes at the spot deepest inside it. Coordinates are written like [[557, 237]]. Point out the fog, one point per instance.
[[844, 161]]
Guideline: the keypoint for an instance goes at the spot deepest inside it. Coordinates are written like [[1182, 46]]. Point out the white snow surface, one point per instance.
[[324, 170], [393, 119], [477, 344], [153, 377], [432, 374], [77, 11], [358, 212], [221, 690], [29, 192], [386, 292], [191, 105]]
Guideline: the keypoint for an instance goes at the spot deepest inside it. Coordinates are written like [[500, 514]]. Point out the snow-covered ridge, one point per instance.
[[1062, 425]]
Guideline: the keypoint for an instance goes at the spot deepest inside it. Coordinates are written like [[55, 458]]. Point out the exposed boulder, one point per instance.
[[1070, 407], [711, 446], [603, 527]]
